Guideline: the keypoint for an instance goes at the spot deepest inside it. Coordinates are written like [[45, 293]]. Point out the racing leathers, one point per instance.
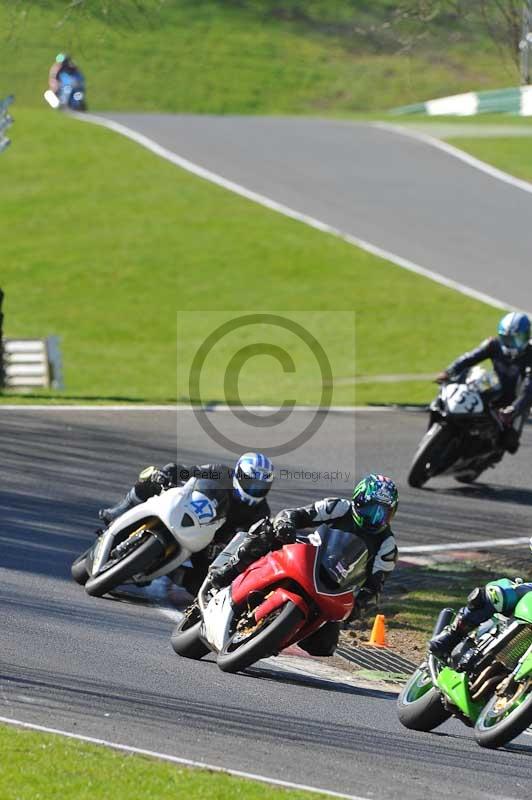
[[240, 516], [338, 512], [57, 69], [496, 597], [515, 376]]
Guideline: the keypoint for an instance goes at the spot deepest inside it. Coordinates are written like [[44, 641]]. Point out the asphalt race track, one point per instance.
[[104, 668], [395, 192]]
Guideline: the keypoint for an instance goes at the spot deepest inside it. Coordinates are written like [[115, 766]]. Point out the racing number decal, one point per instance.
[[202, 508], [468, 401]]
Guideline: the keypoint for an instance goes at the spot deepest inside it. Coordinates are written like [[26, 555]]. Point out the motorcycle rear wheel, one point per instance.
[[419, 706], [78, 570], [136, 561], [185, 639], [495, 729], [264, 643], [428, 452]]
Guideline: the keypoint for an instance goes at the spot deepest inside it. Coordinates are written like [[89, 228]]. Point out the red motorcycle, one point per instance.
[[278, 601]]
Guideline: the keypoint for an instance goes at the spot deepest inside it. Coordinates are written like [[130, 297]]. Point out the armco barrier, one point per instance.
[[32, 363], [5, 121]]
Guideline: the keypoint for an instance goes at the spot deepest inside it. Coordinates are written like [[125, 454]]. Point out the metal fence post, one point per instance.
[[5, 121], [2, 376], [525, 44]]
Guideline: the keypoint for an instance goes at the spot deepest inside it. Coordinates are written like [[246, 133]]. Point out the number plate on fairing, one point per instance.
[[461, 400]]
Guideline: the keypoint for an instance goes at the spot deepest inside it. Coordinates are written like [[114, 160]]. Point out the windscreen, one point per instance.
[[342, 559]]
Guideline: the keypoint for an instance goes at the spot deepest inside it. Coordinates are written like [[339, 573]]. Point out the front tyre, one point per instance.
[[244, 648], [428, 458], [419, 705], [504, 718], [185, 639], [136, 561]]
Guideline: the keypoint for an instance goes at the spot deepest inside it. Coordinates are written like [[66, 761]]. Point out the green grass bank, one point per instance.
[[105, 243], [250, 56], [42, 765]]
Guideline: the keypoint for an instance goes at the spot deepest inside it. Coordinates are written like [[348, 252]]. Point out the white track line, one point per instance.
[[273, 205], [455, 152], [480, 544], [183, 407], [176, 760]]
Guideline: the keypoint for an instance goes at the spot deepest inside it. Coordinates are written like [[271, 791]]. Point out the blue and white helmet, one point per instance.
[[514, 333], [253, 478]]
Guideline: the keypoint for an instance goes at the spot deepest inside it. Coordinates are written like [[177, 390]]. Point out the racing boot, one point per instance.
[[108, 515], [442, 645]]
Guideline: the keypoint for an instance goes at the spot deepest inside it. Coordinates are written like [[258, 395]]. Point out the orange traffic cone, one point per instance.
[[378, 633]]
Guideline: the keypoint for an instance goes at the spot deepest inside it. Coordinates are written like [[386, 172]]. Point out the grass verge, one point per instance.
[[215, 56], [511, 154], [416, 595], [42, 765], [105, 244]]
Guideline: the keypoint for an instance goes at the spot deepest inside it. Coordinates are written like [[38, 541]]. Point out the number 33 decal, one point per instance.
[[470, 401]]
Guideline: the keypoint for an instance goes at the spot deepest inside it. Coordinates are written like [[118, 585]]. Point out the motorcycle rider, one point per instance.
[[252, 479], [483, 602], [62, 64], [368, 515], [511, 355]]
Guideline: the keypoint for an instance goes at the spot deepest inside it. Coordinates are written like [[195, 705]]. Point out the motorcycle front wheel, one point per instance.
[[185, 639], [419, 706], [504, 717], [246, 647], [134, 562], [428, 458]]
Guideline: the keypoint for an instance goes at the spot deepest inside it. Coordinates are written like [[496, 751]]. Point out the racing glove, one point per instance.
[[284, 531], [506, 415]]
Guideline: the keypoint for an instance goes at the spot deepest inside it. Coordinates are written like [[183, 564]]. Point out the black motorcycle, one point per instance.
[[464, 434]]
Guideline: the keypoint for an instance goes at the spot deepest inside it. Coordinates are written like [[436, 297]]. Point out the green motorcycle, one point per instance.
[[487, 682]]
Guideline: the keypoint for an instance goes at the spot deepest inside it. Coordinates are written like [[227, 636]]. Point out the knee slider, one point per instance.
[[476, 598]]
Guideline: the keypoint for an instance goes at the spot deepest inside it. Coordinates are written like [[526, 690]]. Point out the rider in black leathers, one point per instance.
[[511, 355], [367, 515], [252, 479]]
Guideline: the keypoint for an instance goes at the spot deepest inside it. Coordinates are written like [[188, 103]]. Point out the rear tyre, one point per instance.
[[185, 639], [138, 560], [419, 705], [428, 458], [266, 641], [499, 723], [78, 570]]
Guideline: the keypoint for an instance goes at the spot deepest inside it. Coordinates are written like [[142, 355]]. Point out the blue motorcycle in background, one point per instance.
[[71, 93]]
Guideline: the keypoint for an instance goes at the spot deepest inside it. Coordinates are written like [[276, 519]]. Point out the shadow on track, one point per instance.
[[139, 706]]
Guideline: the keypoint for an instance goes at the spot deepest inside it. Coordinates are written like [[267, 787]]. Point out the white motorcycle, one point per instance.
[[154, 538], [464, 434]]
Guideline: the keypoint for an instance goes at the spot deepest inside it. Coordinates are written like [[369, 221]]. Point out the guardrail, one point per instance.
[[32, 363], [6, 120]]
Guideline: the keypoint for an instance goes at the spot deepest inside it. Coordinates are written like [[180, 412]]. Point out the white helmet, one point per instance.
[[253, 478]]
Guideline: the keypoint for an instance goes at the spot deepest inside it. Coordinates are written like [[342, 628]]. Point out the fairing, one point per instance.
[[295, 563]]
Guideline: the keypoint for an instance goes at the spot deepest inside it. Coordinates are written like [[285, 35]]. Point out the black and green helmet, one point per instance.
[[375, 501]]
